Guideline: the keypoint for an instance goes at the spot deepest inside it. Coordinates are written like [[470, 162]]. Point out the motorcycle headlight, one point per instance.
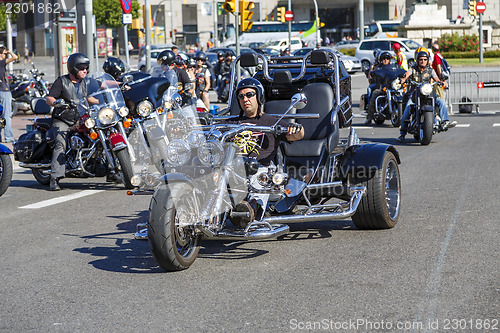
[[396, 84], [167, 105], [426, 89], [210, 153], [106, 116], [89, 123], [178, 153], [123, 111], [144, 108], [196, 139]]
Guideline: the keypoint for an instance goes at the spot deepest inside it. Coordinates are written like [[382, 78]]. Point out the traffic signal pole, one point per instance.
[[290, 27], [481, 38]]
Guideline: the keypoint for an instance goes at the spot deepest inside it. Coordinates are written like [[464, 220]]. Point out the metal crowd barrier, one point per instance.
[[473, 88]]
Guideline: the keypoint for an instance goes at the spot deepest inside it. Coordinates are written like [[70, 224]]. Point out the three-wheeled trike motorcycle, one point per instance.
[[211, 189]]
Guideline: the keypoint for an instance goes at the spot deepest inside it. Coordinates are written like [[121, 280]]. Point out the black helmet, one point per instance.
[[250, 82], [220, 54], [200, 55], [76, 62], [179, 61], [114, 67], [384, 55], [229, 54], [422, 54], [166, 58], [191, 62]]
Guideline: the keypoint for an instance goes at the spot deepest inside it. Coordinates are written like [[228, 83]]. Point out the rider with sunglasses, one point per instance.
[[72, 88], [250, 95], [423, 72]]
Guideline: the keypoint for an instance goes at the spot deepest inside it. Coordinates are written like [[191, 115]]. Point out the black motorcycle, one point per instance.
[[422, 113], [5, 162], [388, 98], [223, 91]]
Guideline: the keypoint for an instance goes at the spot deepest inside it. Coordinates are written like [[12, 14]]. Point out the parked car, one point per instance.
[[351, 64], [346, 44], [364, 52], [154, 54], [142, 49]]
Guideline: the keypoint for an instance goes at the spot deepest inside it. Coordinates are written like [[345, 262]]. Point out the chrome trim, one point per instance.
[[34, 165], [254, 231]]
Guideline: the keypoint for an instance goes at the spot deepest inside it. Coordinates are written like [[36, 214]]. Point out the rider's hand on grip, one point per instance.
[[293, 128]]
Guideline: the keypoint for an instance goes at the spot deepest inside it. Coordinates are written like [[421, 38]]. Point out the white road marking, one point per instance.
[[462, 125], [59, 200], [496, 125], [362, 127]]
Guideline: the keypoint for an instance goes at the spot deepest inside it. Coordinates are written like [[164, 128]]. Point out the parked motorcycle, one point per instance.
[[5, 161], [422, 113], [388, 99], [97, 145], [24, 89]]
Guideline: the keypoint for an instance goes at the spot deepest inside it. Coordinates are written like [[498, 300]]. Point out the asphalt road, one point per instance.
[[74, 265]]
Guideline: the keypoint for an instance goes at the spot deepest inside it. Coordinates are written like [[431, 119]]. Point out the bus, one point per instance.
[[266, 32], [382, 29]]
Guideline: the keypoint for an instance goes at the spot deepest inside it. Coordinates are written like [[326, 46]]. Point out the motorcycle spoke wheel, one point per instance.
[[172, 238]]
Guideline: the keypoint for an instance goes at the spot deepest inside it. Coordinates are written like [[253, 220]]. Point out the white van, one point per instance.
[[282, 44]]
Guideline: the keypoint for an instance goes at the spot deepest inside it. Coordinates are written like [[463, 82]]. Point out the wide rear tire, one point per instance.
[[379, 208], [426, 129], [5, 172], [174, 247]]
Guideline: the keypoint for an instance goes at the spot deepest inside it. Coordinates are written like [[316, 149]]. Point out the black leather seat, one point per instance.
[[40, 106], [318, 133]]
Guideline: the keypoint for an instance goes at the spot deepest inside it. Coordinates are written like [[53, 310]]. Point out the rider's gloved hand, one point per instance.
[[293, 128]]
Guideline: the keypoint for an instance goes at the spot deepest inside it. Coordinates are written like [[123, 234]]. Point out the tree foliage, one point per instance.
[[3, 17], [108, 13]]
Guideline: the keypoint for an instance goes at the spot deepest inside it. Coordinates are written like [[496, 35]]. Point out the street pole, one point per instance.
[[215, 13], [480, 38], [237, 35], [89, 41], [318, 39], [125, 34], [361, 5], [172, 20], [9, 41], [290, 27], [148, 35]]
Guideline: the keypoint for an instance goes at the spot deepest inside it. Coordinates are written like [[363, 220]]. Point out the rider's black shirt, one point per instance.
[[267, 143]]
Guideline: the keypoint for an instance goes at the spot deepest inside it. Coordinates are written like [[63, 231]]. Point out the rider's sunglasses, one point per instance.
[[82, 67], [249, 94], [422, 59]]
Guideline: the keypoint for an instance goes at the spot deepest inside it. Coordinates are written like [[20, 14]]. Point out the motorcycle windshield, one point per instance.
[[165, 72], [104, 91], [387, 74]]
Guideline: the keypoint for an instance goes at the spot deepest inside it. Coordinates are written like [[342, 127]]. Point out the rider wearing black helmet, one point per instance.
[[114, 67], [384, 59], [202, 78], [250, 95], [169, 60], [373, 85], [217, 70], [72, 88], [165, 58]]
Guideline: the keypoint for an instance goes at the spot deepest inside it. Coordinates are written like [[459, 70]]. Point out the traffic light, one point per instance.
[[472, 8], [229, 6], [281, 14], [246, 8], [136, 24]]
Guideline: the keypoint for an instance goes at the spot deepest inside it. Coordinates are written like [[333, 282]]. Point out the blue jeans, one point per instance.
[[443, 113], [6, 102]]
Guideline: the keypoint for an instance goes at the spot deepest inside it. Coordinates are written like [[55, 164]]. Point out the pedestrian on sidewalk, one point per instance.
[[5, 94]]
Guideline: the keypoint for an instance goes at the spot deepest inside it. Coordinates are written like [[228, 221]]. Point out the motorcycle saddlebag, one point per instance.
[[30, 147]]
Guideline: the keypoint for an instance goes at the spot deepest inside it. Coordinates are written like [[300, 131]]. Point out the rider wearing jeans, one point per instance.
[[422, 72], [5, 94]]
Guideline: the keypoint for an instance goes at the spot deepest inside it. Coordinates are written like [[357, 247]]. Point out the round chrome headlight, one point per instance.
[[89, 123], [279, 178], [123, 111], [211, 153], [396, 84], [144, 108], [167, 105], [106, 116], [178, 153], [136, 180], [426, 89], [263, 178], [195, 139]]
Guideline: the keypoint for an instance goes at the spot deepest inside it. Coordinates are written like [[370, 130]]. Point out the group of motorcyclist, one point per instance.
[[420, 72]]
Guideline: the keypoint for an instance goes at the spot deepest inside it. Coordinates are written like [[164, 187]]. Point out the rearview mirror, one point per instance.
[[128, 78], [299, 101]]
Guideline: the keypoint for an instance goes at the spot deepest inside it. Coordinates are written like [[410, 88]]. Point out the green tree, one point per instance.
[[108, 13], [3, 17]]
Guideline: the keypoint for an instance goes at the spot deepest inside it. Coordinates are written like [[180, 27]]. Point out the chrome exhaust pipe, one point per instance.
[[34, 165], [263, 232]]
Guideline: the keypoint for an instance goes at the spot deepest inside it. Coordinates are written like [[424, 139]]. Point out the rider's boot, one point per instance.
[[54, 184]]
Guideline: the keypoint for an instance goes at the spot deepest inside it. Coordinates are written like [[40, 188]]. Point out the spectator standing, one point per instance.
[[5, 94]]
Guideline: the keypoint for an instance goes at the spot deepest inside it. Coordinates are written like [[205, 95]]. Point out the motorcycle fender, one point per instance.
[[362, 161], [4, 150], [171, 178], [427, 108], [117, 141]]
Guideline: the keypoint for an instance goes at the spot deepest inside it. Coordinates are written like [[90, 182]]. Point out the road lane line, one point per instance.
[[59, 200], [462, 125], [362, 127], [496, 125]]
